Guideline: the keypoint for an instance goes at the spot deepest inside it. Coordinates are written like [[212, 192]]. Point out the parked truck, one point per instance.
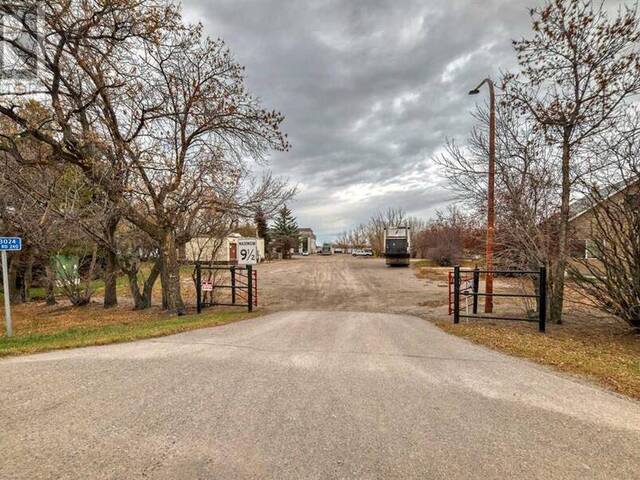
[[397, 246], [327, 249]]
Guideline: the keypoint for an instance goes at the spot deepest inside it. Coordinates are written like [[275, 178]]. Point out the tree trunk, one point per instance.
[[28, 274], [147, 290], [110, 280], [50, 295], [15, 295], [142, 299], [138, 301], [164, 281], [171, 274], [557, 290], [111, 267], [82, 296]]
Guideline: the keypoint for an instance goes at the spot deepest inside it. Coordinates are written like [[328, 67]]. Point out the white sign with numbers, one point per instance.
[[247, 252]]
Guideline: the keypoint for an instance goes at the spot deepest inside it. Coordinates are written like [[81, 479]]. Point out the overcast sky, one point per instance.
[[370, 90]]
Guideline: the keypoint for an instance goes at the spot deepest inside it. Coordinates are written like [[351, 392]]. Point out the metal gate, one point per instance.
[[466, 283], [228, 285]]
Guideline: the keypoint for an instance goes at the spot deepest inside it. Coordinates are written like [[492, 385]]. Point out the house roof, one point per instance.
[[585, 204], [306, 231]]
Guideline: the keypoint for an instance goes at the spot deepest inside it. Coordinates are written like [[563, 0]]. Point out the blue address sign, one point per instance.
[[12, 244]]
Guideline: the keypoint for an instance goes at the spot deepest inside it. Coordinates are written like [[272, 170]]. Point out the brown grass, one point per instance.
[[601, 349], [38, 327], [588, 343], [440, 274], [433, 303], [39, 318]]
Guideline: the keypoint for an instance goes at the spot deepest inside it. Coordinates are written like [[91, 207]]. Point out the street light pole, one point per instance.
[[488, 306]]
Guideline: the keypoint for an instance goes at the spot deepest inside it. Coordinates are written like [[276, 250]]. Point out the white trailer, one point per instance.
[[397, 246]]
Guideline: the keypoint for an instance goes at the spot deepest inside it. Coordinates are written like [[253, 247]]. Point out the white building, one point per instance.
[[217, 250], [307, 240]]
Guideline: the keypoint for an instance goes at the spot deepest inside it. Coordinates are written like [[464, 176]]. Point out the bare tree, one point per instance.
[[378, 222], [577, 71], [609, 273], [527, 186], [147, 108], [33, 198], [444, 238]]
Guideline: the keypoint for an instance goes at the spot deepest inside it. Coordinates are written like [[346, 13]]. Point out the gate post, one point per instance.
[[476, 286], [449, 285], [250, 288], [255, 286], [233, 284], [542, 303], [198, 288], [456, 294]]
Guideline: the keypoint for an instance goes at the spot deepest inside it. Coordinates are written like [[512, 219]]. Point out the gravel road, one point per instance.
[[346, 283], [309, 394]]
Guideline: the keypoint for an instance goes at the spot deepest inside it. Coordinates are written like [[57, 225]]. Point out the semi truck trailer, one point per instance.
[[397, 246]]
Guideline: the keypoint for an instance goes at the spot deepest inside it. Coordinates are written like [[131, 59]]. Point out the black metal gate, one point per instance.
[[230, 285], [474, 293]]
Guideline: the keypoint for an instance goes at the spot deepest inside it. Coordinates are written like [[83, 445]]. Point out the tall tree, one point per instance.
[[391, 217], [609, 274], [527, 186], [285, 231], [262, 227], [152, 112], [577, 70]]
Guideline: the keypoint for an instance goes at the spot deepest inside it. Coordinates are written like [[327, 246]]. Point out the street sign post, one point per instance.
[[8, 244], [247, 251]]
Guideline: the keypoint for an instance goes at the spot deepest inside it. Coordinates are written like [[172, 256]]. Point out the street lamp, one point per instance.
[[488, 306]]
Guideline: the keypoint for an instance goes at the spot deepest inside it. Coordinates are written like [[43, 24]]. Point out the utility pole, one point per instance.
[[488, 305]]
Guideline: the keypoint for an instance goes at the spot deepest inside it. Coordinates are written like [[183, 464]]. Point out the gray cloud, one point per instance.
[[370, 90]]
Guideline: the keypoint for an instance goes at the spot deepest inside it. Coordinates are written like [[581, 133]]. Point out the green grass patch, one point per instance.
[[115, 333]]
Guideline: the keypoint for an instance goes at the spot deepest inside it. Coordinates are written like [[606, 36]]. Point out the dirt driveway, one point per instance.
[[347, 283]]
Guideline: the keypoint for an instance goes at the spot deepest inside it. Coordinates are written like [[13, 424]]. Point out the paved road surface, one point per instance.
[[307, 395]]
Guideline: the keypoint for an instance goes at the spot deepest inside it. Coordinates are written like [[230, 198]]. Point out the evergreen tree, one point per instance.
[[261, 225], [285, 231]]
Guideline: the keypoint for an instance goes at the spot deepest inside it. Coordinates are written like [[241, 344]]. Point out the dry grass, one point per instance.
[[433, 303], [39, 318], [588, 343], [439, 274], [601, 349], [39, 328]]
